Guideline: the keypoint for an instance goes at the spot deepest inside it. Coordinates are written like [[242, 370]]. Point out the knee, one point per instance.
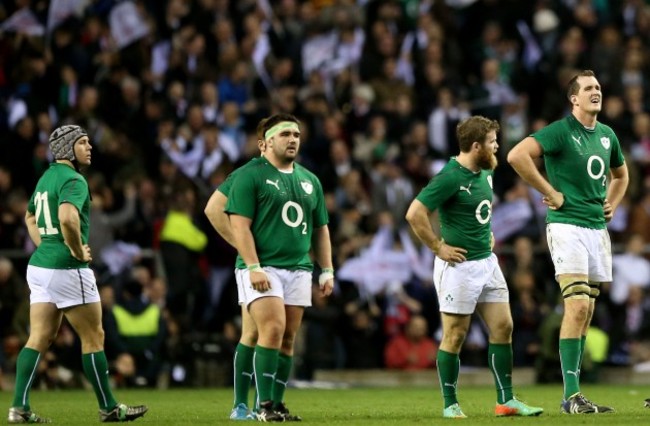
[[454, 338], [273, 329], [502, 331], [40, 341], [92, 340]]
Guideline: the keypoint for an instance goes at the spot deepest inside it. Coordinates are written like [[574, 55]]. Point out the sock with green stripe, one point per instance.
[[500, 362], [95, 368], [26, 367], [243, 365], [570, 359], [448, 366], [266, 366], [281, 377], [583, 343]]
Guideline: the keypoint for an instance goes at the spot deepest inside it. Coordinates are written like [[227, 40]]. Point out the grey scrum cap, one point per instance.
[[62, 141]]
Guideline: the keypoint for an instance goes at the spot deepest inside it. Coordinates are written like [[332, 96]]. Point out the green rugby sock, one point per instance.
[[266, 366], [96, 371], [500, 362], [26, 367], [281, 377], [570, 359], [244, 371], [448, 365], [583, 342]]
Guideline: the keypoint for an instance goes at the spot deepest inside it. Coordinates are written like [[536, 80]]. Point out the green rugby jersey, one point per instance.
[[59, 184], [577, 162], [463, 199], [284, 207]]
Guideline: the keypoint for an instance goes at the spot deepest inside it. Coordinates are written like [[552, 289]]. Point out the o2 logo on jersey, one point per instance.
[[297, 213], [484, 212], [595, 162]]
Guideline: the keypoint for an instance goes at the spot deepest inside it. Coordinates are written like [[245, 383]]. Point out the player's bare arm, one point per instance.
[[418, 217], [323, 252], [214, 211], [245, 243], [32, 228], [616, 192], [522, 158], [71, 229]]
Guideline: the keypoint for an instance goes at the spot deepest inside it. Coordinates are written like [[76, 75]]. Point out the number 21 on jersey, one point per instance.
[[43, 208]]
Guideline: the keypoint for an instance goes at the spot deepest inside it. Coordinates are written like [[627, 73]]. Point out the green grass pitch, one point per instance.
[[355, 406]]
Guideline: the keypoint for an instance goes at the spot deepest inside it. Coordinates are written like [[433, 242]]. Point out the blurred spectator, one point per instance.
[[103, 226], [413, 349], [13, 293], [180, 244], [528, 310], [135, 334], [363, 337], [13, 234]]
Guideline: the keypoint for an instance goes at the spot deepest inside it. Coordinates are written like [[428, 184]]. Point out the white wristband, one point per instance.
[[255, 267], [325, 276]]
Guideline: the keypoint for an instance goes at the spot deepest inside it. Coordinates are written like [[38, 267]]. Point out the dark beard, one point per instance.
[[487, 160]]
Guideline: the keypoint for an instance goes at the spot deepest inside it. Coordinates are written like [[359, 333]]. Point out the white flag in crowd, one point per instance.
[[60, 10], [23, 21], [127, 25]]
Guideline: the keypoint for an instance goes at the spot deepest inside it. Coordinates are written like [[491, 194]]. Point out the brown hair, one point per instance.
[[277, 118], [574, 86], [474, 129], [259, 131]]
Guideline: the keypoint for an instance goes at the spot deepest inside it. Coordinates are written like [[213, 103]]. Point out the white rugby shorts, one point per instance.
[[294, 287], [63, 287], [578, 250], [461, 286]]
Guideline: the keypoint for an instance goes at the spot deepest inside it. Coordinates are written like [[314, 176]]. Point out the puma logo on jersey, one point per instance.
[[466, 188], [276, 183], [576, 140], [451, 385], [574, 373]]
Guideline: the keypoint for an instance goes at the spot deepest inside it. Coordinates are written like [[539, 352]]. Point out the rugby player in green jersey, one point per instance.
[[60, 281], [466, 273], [243, 359], [277, 214], [581, 156]]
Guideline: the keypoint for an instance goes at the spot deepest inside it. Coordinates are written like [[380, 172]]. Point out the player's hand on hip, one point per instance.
[[608, 210], [451, 254], [554, 200], [260, 281], [85, 254]]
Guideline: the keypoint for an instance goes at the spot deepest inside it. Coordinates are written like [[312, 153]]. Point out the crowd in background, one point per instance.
[[171, 93]]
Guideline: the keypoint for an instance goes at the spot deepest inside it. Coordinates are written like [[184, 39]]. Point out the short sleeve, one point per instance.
[[242, 199], [549, 138], [438, 191], [226, 185], [321, 217], [75, 192], [617, 159]]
